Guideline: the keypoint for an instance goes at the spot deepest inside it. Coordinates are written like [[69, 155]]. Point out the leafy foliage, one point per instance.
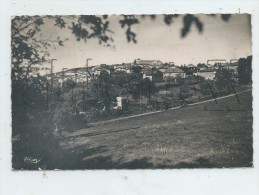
[[90, 26], [188, 20], [106, 92], [29, 47], [147, 88], [128, 21], [157, 75], [168, 18], [207, 87], [224, 79], [188, 70], [32, 123], [245, 70]]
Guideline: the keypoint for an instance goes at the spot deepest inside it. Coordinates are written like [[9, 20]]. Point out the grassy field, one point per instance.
[[197, 136]]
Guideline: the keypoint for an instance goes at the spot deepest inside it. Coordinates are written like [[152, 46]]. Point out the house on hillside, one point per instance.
[[202, 67], [128, 65], [98, 71], [121, 70], [152, 63], [118, 66], [171, 63], [207, 74], [231, 66], [121, 103], [190, 66], [166, 65], [163, 69], [124, 67], [148, 74], [172, 72]]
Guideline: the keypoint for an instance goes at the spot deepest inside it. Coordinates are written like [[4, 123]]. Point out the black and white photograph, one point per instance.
[[162, 91], [129, 97]]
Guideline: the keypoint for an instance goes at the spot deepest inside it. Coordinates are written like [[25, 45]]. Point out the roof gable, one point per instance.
[[174, 70]]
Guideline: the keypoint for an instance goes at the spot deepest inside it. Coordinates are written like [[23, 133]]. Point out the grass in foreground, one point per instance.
[[206, 135]]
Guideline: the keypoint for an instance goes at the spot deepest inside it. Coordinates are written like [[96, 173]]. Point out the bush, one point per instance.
[[67, 120], [32, 128]]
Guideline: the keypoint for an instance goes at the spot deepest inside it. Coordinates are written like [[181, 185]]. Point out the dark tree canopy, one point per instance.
[[245, 70], [224, 79]]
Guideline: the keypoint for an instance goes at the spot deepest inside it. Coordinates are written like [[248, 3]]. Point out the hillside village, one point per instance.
[[172, 84], [169, 70]]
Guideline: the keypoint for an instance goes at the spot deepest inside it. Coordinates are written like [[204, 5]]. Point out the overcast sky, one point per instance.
[[156, 40]]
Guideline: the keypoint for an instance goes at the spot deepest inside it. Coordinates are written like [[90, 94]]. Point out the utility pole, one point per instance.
[[58, 91], [152, 74], [76, 76], [152, 83], [47, 95], [149, 92], [63, 75], [50, 99], [51, 73], [84, 107], [140, 98], [86, 70]]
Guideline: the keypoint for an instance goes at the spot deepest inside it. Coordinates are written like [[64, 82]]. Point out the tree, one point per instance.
[[106, 92], [75, 111], [193, 79], [245, 70], [136, 70], [224, 79], [119, 78], [202, 65], [32, 124], [185, 92], [28, 46], [187, 70], [157, 75], [207, 87], [179, 80], [148, 88], [134, 86]]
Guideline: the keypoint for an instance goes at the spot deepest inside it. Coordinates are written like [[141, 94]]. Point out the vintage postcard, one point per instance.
[[143, 97], [162, 91]]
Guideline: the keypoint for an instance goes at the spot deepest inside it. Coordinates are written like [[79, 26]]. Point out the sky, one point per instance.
[[157, 41]]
